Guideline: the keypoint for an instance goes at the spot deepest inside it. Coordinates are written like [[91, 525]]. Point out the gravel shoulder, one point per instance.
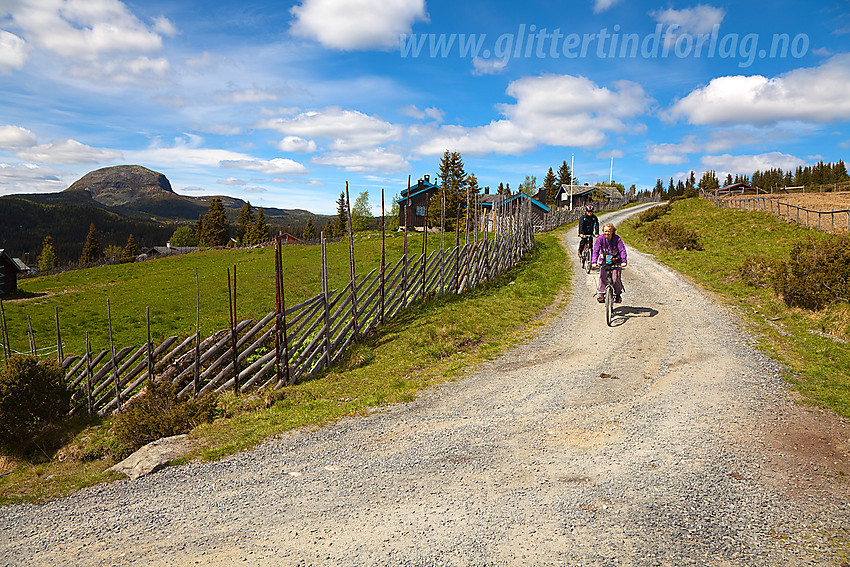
[[667, 439]]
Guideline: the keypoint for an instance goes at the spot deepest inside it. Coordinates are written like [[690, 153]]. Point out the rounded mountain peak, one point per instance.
[[122, 184]]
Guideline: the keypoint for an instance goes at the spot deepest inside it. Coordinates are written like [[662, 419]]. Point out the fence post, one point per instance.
[[7, 349], [232, 302], [383, 254], [197, 370], [32, 338], [88, 374], [59, 353], [351, 263], [326, 330], [150, 343], [115, 376]]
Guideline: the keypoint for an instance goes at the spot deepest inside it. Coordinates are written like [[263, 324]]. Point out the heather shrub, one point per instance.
[[816, 273], [33, 400], [158, 413], [650, 215], [673, 236], [758, 271]]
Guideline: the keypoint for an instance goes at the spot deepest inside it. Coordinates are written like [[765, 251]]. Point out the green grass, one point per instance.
[[820, 365], [424, 345], [167, 286]]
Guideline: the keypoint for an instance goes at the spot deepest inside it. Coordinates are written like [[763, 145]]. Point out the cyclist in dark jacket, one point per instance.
[[588, 228]]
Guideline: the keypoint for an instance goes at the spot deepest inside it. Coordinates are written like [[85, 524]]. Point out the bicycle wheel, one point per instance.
[[587, 264], [609, 304]]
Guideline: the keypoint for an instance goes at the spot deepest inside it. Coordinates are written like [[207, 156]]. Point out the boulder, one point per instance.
[[153, 456]]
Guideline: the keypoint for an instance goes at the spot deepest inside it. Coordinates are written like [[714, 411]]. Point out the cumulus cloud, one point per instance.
[[356, 24], [67, 152], [347, 129], [376, 159], [558, 110], [276, 166], [295, 144], [231, 181], [815, 94], [85, 30], [15, 137], [13, 52]]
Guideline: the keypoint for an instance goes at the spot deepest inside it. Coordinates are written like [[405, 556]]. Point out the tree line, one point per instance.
[[809, 176]]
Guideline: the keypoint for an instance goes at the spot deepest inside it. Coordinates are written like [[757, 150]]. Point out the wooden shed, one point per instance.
[[412, 203], [9, 270]]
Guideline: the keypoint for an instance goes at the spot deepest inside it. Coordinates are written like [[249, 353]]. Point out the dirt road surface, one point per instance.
[[666, 439]]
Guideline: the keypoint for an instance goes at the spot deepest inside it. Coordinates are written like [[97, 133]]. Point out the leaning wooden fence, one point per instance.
[[822, 220], [295, 341]]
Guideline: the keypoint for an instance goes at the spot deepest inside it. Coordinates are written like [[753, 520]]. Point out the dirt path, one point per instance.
[[660, 441]]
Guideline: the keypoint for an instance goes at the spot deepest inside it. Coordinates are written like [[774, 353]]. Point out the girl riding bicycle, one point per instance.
[[609, 253]]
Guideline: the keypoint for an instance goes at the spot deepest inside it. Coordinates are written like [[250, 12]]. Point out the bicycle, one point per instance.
[[604, 271], [586, 264]]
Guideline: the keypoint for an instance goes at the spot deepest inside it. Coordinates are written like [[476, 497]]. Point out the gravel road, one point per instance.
[[637, 444]]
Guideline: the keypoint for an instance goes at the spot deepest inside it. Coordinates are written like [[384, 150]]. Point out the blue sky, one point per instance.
[[281, 103]]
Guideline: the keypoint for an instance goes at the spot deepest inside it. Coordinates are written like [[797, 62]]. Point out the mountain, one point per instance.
[[120, 200]]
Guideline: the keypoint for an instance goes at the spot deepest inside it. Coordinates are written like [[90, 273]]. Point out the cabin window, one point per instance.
[[420, 210]]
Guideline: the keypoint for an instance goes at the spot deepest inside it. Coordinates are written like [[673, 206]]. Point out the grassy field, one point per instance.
[[814, 345], [167, 286], [424, 345]]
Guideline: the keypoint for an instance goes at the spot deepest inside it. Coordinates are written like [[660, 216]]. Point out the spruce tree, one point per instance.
[[261, 228], [565, 175], [215, 231], [341, 226], [244, 222], [130, 251], [309, 230], [549, 184], [47, 258], [453, 187], [92, 250]]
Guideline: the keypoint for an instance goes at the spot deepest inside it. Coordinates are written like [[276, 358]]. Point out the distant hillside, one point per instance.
[[120, 200]]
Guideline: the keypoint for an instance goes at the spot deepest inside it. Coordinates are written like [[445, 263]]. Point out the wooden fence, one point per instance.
[[822, 220], [295, 341]]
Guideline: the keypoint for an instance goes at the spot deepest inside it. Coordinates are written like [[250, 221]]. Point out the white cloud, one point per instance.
[[488, 66], [141, 71], [77, 29], [700, 19], [276, 166], [29, 178], [67, 152], [164, 26], [295, 144], [231, 181], [356, 24], [815, 94], [727, 163], [377, 159], [416, 113], [13, 52], [602, 5], [557, 110], [348, 129], [13, 137]]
